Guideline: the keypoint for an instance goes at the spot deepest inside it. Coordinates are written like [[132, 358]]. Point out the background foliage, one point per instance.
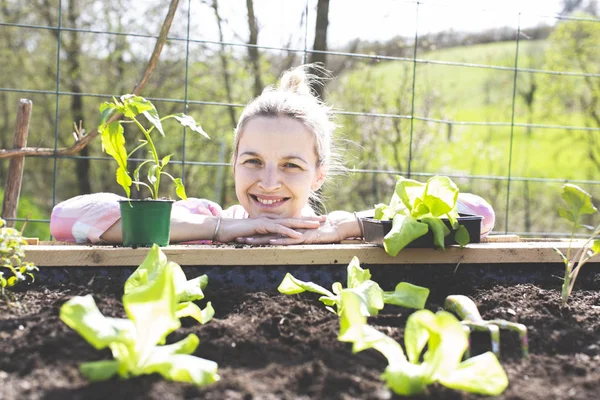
[[462, 91]]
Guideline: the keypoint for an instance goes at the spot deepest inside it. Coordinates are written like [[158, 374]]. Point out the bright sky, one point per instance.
[[379, 19]]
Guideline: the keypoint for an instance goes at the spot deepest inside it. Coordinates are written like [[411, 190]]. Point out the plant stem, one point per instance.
[[154, 155]]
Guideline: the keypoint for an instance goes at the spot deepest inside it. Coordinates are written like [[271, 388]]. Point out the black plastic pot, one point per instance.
[[375, 231], [145, 222]]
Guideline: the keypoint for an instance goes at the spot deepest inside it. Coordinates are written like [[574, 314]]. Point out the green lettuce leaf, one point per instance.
[[407, 295], [404, 231]]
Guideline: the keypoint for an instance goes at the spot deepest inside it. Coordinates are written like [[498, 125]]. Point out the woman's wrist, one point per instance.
[[349, 227]]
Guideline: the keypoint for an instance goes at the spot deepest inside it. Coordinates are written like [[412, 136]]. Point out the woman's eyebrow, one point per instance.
[[293, 157], [287, 158]]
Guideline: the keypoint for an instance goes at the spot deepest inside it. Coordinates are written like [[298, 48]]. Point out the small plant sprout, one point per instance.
[[12, 260], [113, 141], [136, 341], [185, 291], [416, 208], [445, 341], [372, 297], [577, 203], [467, 311]]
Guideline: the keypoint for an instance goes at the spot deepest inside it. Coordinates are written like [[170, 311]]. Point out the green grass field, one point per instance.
[[463, 94]]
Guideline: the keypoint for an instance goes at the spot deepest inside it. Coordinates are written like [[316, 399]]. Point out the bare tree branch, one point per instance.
[[85, 140]]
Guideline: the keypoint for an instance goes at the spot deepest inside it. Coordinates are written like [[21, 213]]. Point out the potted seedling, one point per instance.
[[146, 221], [421, 215]]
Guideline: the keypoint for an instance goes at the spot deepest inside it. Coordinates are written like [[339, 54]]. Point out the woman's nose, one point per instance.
[[270, 179]]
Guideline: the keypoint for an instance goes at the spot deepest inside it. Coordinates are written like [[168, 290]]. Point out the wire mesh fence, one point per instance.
[[510, 119]]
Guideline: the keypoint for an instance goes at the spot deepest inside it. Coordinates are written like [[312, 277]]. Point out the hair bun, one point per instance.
[[296, 80]]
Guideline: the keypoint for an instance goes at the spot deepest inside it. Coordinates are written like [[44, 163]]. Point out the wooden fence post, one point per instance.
[[12, 188]]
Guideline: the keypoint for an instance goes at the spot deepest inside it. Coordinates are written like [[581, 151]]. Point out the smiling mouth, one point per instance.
[[269, 202]]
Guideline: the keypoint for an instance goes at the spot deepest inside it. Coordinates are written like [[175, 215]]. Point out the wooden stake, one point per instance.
[[12, 187]]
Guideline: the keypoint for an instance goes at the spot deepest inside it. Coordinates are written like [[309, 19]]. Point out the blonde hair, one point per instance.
[[294, 98]]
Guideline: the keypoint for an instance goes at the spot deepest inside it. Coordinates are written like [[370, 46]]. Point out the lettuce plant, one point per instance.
[[372, 297], [417, 208], [12, 259], [577, 203], [113, 141], [151, 309], [446, 342], [185, 291]]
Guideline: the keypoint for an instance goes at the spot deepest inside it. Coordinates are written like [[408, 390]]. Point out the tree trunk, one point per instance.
[[73, 50], [221, 176], [320, 44], [253, 54]]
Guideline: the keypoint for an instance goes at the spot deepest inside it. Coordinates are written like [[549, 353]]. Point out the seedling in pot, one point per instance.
[[12, 261], [372, 297], [417, 208], [471, 319], [113, 141], [577, 203], [445, 341]]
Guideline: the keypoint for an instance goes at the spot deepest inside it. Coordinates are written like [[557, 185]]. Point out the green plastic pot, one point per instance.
[[145, 222]]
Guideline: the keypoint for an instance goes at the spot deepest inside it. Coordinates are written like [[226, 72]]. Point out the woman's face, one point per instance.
[[276, 167]]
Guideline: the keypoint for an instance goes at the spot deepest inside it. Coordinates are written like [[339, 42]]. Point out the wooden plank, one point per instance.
[[12, 188], [480, 253]]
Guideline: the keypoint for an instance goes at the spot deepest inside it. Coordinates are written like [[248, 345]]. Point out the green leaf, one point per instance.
[[152, 309], [356, 275], [152, 117], [407, 295], [337, 287], [184, 368], [192, 289], [578, 203], [482, 374], [99, 370], [179, 188], [440, 195], [446, 346], [106, 111], [154, 262], [134, 105], [405, 379], [153, 173], [136, 173], [439, 230], [380, 212], [404, 231], [188, 121], [291, 285], [371, 295], [462, 236], [408, 191], [350, 312], [416, 333], [124, 180], [82, 315], [595, 246], [189, 309], [165, 160], [113, 143]]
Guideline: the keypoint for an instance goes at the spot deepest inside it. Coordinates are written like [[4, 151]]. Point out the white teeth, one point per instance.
[[265, 201]]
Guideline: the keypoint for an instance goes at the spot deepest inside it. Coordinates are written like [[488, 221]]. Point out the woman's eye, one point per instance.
[[253, 161], [291, 165]]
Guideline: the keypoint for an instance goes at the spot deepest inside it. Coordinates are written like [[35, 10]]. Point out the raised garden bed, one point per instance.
[[271, 346]]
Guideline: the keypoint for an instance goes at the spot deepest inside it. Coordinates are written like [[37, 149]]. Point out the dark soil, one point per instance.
[[270, 346]]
